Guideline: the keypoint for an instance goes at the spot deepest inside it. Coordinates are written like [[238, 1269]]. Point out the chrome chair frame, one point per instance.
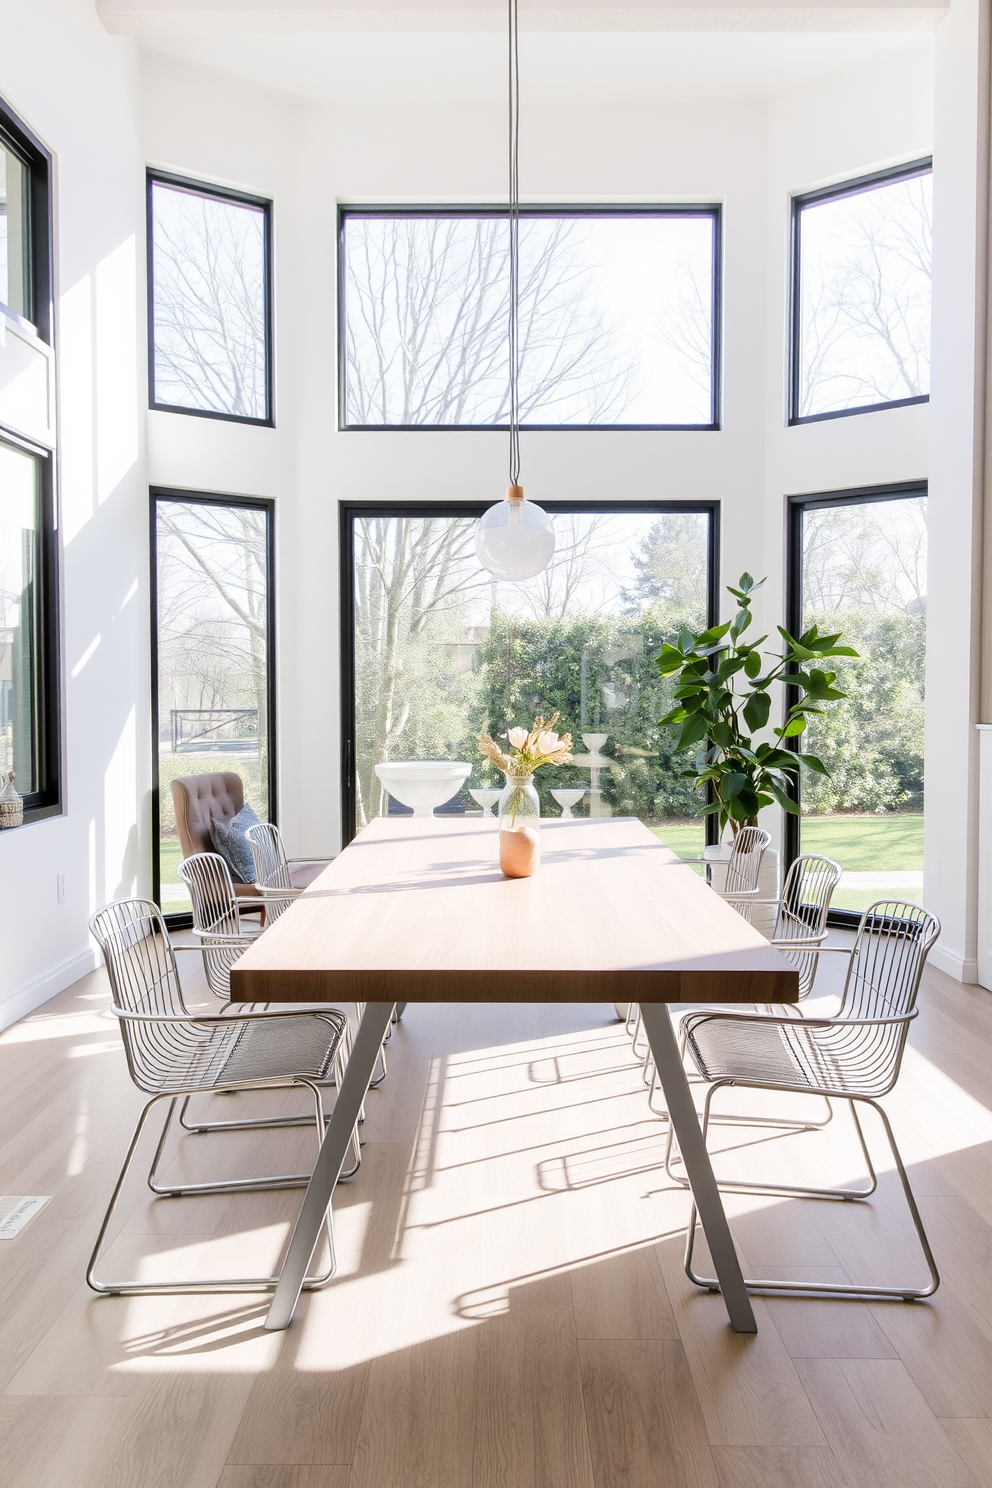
[[854, 1056], [223, 938], [273, 869], [172, 1052], [274, 884]]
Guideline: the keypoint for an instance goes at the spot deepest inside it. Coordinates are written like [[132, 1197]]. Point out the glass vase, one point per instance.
[[519, 827]]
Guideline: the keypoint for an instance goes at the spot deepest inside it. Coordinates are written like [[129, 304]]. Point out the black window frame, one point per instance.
[[351, 511], [46, 702], [41, 277], [853, 187], [241, 198], [796, 508], [47, 800], [182, 497], [712, 210]]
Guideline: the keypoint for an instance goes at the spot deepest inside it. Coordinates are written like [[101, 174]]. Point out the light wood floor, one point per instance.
[[510, 1309]]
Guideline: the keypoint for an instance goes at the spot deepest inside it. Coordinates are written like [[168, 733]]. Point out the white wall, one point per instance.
[[75, 87], [192, 120]]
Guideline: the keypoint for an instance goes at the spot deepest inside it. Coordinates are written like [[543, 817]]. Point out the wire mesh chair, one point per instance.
[[274, 883], [740, 887], [800, 930], [273, 869], [854, 1056], [217, 921], [223, 938], [174, 1053]]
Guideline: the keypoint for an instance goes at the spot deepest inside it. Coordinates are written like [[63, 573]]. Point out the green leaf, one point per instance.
[[733, 784], [812, 762], [756, 711], [752, 663], [784, 800], [722, 734], [792, 728], [693, 730]]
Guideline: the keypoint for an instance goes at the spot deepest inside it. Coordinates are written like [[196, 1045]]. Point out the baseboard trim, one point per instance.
[[26, 999], [961, 968]]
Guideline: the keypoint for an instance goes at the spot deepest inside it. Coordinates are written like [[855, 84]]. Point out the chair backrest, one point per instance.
[[271, 865], [802, 911], [745, 861], [893, 941], [199, 800], [215, 912], [141, 966]]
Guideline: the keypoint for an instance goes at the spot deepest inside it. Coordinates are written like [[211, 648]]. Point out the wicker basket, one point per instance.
[[11, 804]]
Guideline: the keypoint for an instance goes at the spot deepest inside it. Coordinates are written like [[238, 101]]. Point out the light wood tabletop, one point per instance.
[[418, 910]]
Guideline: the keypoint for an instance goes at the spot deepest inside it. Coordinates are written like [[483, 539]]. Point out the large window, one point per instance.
[[209, 301], [619, 318], [213, 649], [29, 651], [28, 657], [437, 651], [861, 295], [858, 565]]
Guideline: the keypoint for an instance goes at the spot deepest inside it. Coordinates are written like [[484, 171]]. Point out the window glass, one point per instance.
[[442, 652], [864, 297], [213, 653], [209, 311], [864, 574], [19, 563], [14, 257], [617, 320]]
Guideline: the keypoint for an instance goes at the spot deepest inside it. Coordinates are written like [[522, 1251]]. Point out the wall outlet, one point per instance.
[[60, 887]]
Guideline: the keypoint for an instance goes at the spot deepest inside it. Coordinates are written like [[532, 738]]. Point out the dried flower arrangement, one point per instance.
[[529, 751]]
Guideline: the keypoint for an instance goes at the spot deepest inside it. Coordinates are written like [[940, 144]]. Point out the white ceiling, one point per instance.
[[651, 67]]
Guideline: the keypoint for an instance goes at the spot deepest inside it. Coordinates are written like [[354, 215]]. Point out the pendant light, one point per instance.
[[516, 539]]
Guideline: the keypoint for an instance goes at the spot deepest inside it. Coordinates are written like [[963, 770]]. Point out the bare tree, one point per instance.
[[209, 303], [866, 299], [409, 573], [213, 627], [426, 324]]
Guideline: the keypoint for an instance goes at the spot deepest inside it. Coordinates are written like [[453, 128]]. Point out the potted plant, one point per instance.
[[723, 698]]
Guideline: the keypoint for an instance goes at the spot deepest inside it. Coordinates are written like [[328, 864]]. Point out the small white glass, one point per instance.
[[567, 799], [486, 799]]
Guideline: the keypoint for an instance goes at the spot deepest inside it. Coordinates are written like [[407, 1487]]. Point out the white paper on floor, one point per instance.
[[16, 1210]]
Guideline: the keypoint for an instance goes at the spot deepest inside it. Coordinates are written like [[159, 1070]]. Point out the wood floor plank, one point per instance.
[[748, 1387], [643, 1417], [778, 1467], [418, 1425], [284, 1477], [530, 1426], [973, 1439], [881, 1429]]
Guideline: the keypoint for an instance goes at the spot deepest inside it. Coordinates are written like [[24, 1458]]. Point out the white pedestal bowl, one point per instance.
[[423, 784]]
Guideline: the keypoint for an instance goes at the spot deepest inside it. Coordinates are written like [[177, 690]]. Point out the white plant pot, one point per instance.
[[423, 784]]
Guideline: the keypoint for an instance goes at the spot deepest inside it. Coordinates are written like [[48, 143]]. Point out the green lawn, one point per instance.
[[861, 844], [867, 843]]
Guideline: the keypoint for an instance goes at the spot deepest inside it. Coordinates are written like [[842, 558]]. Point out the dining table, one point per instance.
[[417, 910]]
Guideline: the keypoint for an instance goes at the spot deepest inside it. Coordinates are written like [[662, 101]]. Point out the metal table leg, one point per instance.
[[330, 1161], [682, 1113]]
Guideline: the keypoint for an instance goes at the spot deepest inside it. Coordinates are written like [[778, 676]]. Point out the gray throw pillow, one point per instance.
[[234, 847]]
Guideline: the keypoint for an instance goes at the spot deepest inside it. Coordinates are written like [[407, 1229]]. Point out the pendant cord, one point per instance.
[[514, 223]]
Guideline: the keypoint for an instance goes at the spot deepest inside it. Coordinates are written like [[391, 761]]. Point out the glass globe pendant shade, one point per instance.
[[515, 539]]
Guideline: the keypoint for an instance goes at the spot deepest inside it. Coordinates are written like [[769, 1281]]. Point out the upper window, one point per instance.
[[210, 301], [861, 295], [15, 240], [25, 269], [619, 319]]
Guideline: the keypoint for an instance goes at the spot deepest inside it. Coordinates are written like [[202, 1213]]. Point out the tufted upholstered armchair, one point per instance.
[[199, 800]]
